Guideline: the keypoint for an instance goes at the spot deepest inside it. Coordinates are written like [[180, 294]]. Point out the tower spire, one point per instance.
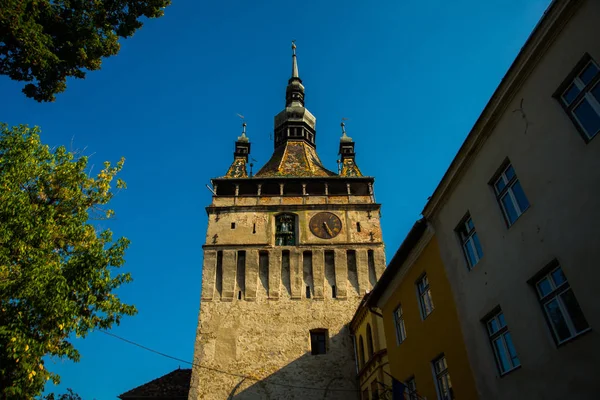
[[294, 93], [294, 61]]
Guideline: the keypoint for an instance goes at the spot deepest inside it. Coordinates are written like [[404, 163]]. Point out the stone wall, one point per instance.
[[260, 301]]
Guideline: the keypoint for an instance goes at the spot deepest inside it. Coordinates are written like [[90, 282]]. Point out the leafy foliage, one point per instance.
[[46, 41], [70, 395], [55, 267]]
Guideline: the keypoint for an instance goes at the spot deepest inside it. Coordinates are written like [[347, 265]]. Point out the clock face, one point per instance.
[[325, 225]]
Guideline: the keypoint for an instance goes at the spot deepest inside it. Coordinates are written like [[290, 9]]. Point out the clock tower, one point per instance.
[[288, 256]]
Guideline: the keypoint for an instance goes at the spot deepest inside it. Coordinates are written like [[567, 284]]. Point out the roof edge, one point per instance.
[[410, 241], [542, 35]]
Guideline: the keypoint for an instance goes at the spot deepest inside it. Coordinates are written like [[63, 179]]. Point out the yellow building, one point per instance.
[[372, 365], [425, 345]]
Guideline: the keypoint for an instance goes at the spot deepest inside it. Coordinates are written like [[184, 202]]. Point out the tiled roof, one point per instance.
[[295, 158], [174, 385]]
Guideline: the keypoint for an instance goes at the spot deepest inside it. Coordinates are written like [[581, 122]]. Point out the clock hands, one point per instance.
[[328, 229]]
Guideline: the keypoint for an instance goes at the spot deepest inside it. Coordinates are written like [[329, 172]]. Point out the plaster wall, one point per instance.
[[560, 175]]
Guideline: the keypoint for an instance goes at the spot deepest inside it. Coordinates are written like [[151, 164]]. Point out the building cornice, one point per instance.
[[555, 18]]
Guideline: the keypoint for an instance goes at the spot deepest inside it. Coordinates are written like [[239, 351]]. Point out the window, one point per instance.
[[504, 350], [375, 390], [333, 292], [425, 300], [562, 310], [370, 348], [411, 385], [442, 379], [233, 225], [318, 341], [469, 241], [399, 324], [580, 97], [510, 195], [358, 227], [361, 351], [285, 234]]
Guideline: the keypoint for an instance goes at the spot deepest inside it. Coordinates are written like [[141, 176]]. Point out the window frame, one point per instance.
[[555, 293], [573, 78], [282, 234], [399, 323], [507, 190], [500, 333], [422, 292], [325, 335], [440, 375], [466, 237], [411, 386]]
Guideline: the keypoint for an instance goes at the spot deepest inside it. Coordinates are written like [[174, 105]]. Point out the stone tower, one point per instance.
[[289, 254]]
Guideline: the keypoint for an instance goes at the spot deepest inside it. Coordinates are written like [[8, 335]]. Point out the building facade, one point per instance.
[[516, 218], [289, 253], [425, 345], [372, 365]]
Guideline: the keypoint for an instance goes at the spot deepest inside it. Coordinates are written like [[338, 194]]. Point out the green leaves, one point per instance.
[[46, 41], [56, 269]]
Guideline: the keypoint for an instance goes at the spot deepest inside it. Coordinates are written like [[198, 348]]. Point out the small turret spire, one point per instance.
[[243, 138], [344, 138]]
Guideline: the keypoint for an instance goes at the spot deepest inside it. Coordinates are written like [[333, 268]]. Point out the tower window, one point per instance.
[[254, 228], [358, 227], [285, 234], [333, 291], [318, 341], [308, 292], [233, 225]]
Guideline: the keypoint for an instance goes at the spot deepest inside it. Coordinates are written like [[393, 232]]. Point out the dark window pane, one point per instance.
[[588, 118], [570, 94], [558, 277], [572, 306], [501, 320], [544, 287], [493, 326], [509, 209], [470, 254], [477, 245], [511, 350], [557, 320], [470, 225], [499, 185], [510, 172], [588, 73], [596, 92], [520, 196], [501, 355]]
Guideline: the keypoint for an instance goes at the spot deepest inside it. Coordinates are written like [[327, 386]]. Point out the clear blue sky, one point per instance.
[[412, 76]]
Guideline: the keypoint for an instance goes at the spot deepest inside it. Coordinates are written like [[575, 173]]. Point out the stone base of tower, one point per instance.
[[263, 349]]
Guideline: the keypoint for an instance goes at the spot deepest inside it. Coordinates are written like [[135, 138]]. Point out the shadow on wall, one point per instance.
[[323, 376]]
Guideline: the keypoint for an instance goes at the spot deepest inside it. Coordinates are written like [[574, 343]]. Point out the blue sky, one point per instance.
[[411, 76]]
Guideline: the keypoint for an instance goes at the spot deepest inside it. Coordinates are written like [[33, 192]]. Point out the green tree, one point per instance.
[[56, 268], [70, 395], [46, 41]]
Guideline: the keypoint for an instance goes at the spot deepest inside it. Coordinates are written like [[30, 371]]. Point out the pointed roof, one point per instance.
[[294, 61], [294, 159], [174, 385]]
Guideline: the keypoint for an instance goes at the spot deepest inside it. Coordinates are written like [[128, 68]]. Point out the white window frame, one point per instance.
[[442, 376], [585, 93], [424, 291], [500, 334], [555, 293], [507, 190], [466, 236], [399, 325], [411, 385]]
